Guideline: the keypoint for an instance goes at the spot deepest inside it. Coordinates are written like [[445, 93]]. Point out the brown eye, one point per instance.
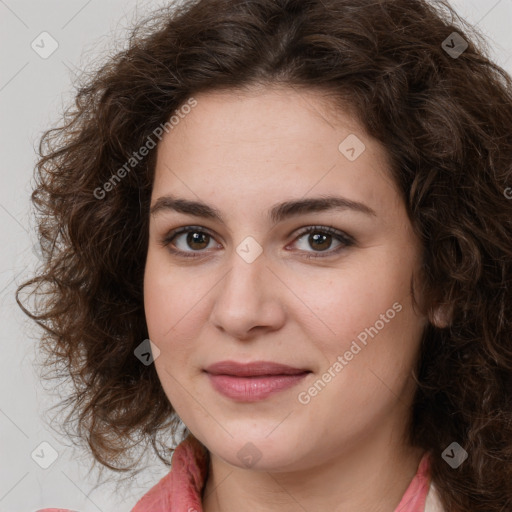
[[320, 239], [195, 241]]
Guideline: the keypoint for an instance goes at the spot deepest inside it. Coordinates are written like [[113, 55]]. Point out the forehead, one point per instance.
[[271, 142]]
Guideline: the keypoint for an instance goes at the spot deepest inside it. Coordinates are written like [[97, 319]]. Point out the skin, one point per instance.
[[242, 153]]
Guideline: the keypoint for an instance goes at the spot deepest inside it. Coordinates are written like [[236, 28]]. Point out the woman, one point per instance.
[[303, 205]]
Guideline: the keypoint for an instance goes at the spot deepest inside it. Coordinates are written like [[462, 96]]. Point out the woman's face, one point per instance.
[[248, 285]]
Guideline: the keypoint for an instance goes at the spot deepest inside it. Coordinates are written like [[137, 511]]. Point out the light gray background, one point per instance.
[[33, 91]]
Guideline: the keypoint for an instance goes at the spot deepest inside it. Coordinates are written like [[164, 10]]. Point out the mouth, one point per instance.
[[251, 382]]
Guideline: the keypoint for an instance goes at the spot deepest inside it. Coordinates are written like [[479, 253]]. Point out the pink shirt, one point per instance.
[[180, 490]]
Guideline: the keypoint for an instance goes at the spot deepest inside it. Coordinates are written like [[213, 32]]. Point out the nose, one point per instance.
[[249, 300]]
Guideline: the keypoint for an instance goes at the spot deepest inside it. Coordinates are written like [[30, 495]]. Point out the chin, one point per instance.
[[253, 448]]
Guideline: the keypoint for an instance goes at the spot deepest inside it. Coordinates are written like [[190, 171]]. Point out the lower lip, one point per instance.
[[252, 389]]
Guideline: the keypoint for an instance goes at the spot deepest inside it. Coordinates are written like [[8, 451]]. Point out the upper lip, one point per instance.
[[256, 368]]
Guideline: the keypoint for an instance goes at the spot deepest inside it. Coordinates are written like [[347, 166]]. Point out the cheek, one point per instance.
[[370, 319], [347, 301], [171, 296], [171, 308], [368, 360]]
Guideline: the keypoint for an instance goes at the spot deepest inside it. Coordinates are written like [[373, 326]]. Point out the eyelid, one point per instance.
[[344, 238], [325, 229]]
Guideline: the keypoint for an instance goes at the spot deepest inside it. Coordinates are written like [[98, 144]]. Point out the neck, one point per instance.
[[371, 476]]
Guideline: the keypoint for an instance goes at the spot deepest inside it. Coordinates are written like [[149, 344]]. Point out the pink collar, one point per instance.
[[180, 490]]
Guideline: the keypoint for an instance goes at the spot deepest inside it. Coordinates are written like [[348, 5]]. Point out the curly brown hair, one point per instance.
[[442, 111]]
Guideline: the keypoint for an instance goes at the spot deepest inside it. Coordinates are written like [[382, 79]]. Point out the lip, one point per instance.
[[254, 369], [251, 382]]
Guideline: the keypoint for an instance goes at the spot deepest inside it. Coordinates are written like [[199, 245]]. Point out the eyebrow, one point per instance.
[[278, 213]]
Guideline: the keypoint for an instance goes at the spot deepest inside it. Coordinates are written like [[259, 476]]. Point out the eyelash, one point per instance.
[[345, 240]]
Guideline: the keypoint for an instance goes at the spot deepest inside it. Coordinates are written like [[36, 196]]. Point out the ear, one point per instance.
[[442, 316]]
